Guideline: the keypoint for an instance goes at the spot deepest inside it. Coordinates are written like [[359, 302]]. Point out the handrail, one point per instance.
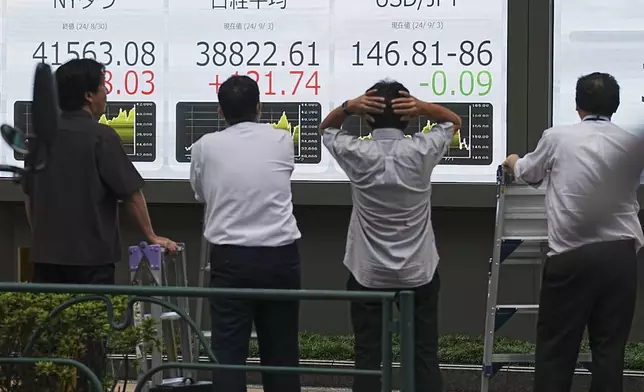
[[171, 291], [404, 326]]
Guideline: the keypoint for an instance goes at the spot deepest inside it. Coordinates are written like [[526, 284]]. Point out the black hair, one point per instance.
[[75, 79], [389, 90], [238, 99], [597, 93]]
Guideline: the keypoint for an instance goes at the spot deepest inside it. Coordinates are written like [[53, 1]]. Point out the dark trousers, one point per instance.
[[276, 322], [74, 274], [366, 318], [96, 351], [595, 286]]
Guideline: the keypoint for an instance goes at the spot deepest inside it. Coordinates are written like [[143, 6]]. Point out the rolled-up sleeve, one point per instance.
[[114, 166], [339, 141], [195, 171], [532, 168]]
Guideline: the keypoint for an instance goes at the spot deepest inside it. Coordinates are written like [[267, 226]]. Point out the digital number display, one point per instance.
[[447, 52], [127, 37], [166, 61]]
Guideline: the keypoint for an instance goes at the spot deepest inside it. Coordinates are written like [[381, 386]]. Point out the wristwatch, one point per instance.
[[346, 111]]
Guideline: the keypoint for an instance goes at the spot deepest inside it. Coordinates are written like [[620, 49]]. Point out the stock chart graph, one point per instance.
[[300, 119], [123, 124], [471, 145], [134, 122]]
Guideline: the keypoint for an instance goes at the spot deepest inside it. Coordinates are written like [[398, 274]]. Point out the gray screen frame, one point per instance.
[[529, 95]]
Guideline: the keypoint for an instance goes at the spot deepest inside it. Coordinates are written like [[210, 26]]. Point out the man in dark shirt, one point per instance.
[[72, 205]]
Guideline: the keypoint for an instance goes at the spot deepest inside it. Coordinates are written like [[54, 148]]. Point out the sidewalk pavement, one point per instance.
[[130, 388]]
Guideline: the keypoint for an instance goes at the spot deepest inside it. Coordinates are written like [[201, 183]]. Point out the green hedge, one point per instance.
[[453, 349], [66, 336]]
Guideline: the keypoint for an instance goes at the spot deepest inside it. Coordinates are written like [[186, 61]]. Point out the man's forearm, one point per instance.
[[333, 120], [442, 114], [138, 209]]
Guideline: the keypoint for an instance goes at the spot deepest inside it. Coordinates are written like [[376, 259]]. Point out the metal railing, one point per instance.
[[404, 326]]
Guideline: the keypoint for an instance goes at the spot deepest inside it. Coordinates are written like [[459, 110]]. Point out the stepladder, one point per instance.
[[151, 265], [520, 239]]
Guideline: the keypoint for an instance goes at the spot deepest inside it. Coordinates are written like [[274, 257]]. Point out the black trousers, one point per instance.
[[96, 351], [366, 318], [595, 286], [73, 274], [276, 322]]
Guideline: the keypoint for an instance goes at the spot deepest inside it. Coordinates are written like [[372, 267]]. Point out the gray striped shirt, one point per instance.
[[390, 242]]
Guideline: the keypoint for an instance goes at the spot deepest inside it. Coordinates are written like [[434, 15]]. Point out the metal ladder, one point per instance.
[[151, 265], [203, 281], [520, 238]]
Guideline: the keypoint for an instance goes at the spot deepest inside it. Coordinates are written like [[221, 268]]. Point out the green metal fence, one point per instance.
[[404, 326]]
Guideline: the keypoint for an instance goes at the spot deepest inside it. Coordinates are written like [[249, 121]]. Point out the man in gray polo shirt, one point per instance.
[[593, 172], [390, 243], [243, 175]]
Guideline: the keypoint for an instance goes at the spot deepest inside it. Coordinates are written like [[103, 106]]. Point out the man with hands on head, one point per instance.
[[390, 243]]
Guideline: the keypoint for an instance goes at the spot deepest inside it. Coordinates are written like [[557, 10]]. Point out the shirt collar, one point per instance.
[[242, 125], [78, 114], [594, 117], [387, 134]]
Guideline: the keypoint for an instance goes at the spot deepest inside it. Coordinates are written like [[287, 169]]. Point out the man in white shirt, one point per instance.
[[390, 243], [243, 175], [593, 172]]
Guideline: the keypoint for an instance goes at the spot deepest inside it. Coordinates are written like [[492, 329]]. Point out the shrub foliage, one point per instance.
[[65, 336]]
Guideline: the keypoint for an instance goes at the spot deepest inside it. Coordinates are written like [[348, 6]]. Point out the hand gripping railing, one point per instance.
[[404, 326], [504, 176]]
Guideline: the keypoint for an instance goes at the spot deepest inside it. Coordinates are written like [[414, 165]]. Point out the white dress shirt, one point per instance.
[[243, 175], [593, 172]]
